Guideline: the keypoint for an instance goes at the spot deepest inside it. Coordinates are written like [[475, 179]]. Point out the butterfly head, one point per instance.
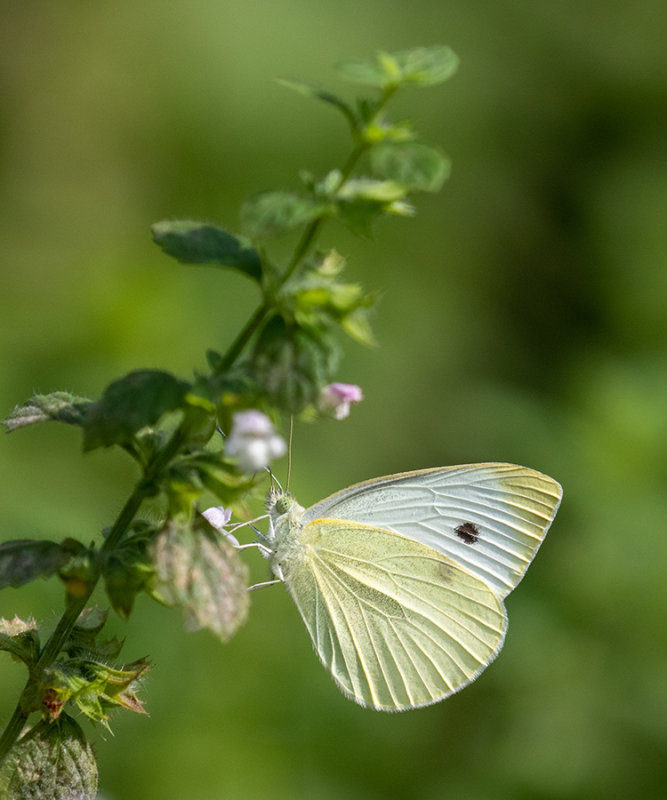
[[278, 501], [282, 506]]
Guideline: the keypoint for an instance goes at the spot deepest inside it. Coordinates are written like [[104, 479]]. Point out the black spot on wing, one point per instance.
[[469, 532]]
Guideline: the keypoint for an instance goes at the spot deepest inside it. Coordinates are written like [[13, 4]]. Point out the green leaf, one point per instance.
[[23, 560], [221, 478], [80, 572], [126, 572], [57, 406], [82, 640], [54, 760], [202, 574], [358, 327], [308, 90], [130, 403], [20, 639], [272, 213], [193, 242], [319, 299], [291, 364], [421, 66], [362, 200], [414, 165], [94, 686], [372, 190], [360, 215]]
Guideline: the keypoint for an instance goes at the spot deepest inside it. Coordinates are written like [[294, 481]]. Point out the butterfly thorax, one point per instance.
[[285, 515]]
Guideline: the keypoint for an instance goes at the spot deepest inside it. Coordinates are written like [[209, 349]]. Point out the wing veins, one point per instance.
[[334, 627], [364, 667], [416, 611], [393, 574], [362, 610], [406, 651]]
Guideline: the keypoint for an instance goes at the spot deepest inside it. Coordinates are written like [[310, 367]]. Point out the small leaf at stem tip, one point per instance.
[[192, 242], [421, 66], [56, 406], [308, 90], [272, 213], [414, 165]]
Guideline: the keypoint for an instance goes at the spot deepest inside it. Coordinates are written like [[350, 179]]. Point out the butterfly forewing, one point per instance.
[[488, 518], [398, 624]]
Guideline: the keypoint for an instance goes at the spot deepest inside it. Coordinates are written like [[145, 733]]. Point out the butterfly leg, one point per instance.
[[262, 548], [263, 583]]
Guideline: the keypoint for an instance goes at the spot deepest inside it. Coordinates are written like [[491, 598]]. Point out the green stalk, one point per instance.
[[301, 251], [75, 606]]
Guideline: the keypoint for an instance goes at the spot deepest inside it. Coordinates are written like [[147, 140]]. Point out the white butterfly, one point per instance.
[[400, 580]]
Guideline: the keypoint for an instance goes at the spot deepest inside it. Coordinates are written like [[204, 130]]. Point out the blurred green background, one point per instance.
[[523, 318]]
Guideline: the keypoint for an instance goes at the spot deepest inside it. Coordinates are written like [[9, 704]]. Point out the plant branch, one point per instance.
[[301, 251], [12, 731], [75, 606]]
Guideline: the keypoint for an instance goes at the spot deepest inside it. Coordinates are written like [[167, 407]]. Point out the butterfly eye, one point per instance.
[[283, 504]]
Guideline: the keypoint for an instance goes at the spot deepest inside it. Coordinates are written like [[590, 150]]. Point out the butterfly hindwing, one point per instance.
[[398, 624]]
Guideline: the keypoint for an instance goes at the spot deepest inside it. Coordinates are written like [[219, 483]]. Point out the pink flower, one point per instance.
[[336, 398], [217, 516]]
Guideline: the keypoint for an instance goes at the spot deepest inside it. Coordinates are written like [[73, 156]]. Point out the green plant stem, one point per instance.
[[12, 732], [303, 247], [237, 346], [301, 251], [75, 606]]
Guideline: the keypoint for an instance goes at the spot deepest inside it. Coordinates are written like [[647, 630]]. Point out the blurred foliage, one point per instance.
[[522, 318]]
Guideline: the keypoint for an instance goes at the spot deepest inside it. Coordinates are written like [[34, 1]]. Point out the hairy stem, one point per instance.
[[74, 608], [12, 731]]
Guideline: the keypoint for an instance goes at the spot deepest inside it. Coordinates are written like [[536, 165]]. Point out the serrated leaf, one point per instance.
[[23, 560], [94, 686], [291, 363], [90, 622], [115, 686], [421, 66], [414, 165], [308, 90], [83, 638], [56, 406], [193, 242], [357, 325], [130, 403], [54, 760], [272, 213], [203, 575]]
